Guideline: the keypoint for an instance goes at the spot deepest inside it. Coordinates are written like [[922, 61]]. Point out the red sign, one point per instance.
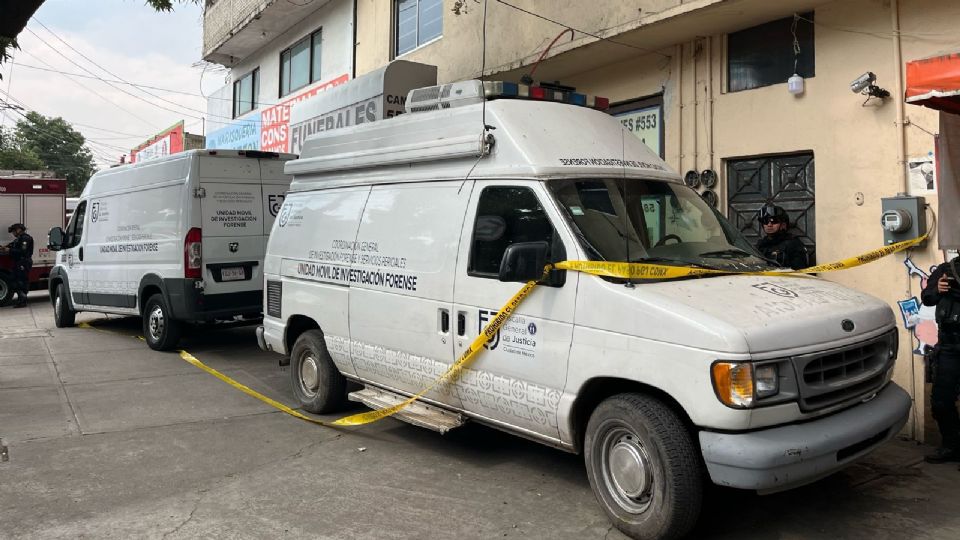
[[168, 141], [275, 121]]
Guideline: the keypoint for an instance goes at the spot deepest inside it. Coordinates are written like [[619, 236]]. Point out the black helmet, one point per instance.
[[16, 226], [774, 212]]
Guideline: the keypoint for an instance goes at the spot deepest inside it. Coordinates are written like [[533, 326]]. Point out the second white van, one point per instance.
[[176, 239]]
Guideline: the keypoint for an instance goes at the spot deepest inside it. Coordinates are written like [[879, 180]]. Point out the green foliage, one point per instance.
[[39, 142], [167, 5], [12, 156]]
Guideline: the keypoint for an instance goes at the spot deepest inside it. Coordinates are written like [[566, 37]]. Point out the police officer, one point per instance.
[[21, 251], [943, 291], [777, 244]]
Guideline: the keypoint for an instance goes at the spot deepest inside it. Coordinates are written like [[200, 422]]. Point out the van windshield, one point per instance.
[[633, 220]]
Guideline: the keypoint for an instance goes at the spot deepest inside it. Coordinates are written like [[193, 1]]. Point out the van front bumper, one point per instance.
[[785, 457]]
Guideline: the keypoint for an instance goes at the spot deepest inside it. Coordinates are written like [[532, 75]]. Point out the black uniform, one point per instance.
[[946, 384], [21, 251], [784, 248]]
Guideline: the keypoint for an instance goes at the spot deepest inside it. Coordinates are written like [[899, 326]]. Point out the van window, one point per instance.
[[631, 220], [75, 227], [507, 215]]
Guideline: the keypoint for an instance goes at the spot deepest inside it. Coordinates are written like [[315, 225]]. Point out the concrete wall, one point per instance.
[[855, 147]]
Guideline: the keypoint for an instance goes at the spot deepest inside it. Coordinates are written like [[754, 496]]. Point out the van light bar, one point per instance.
[[503, 89]]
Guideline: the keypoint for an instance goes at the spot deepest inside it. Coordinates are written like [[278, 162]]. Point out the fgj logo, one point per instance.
[[484, 317], [284, 215], [234, 246], [274, 202], [776, 289], [532, 329], [95, 212]]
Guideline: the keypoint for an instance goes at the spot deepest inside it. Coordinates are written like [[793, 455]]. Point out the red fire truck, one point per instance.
[[38, 200]]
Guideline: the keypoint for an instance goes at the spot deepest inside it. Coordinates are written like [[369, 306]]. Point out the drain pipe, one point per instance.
[[898, 94], [916, 416]]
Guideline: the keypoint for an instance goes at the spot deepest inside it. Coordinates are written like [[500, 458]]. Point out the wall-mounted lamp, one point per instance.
[[795, 84], [864, 85]]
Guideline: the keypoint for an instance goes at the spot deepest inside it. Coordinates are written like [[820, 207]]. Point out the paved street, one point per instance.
[[107, 438]]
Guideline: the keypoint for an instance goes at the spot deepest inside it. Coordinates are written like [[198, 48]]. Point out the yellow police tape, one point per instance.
[[597, 268], [452, 372], [663, 271]]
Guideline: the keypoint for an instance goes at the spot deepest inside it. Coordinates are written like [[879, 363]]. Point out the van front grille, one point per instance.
[[833, 377], [274, 289]]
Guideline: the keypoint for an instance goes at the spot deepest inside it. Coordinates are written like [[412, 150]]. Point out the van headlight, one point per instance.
[[741, 384]]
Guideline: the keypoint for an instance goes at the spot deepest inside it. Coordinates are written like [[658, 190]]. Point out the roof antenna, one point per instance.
[[528, 78], [488, 138], [626, 213]]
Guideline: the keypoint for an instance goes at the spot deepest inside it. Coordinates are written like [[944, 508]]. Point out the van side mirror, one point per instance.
[[523, 261], [55, 239]]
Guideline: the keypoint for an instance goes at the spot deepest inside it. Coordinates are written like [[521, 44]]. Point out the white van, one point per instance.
[[400, 239], [179, 238]]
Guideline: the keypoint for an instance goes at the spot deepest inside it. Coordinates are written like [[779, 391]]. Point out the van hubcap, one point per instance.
[[155, 323], [627, 470], [58, 306], [309, 375]]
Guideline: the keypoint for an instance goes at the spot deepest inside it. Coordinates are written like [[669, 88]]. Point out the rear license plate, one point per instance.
[[232, 274]]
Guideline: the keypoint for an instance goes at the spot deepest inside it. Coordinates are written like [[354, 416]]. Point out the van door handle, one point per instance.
[[80, 253], [444, 321], [461, 323]]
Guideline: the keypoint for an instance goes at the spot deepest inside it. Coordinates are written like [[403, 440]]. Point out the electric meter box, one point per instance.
[[903, 218]]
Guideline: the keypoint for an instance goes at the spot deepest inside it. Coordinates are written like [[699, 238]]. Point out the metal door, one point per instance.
[[786, 180]]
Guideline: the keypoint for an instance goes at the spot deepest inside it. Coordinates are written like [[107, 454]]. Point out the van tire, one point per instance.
[[318, 385], [63, 315], [160, 330], [6, 289], [657, 488]]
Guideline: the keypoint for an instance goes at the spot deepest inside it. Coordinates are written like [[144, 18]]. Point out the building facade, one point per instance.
[[279, 53]]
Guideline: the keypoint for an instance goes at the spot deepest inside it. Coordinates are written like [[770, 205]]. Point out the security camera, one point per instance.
[[863, 82], [864, 85]]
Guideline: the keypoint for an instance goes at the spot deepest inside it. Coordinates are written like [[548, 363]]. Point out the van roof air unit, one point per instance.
[[444, 96]]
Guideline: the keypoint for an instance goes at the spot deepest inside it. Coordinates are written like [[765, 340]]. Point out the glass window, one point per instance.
[[631, 220], [285, 73], [315, 56], [764, 55], [301, 64], [246, 92], [507, 215], [75, 227], [418, 21]]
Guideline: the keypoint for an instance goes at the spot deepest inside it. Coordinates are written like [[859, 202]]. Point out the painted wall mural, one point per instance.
[[918, 318]]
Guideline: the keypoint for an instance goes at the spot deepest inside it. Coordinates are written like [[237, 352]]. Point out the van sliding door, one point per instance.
[[402, 327]]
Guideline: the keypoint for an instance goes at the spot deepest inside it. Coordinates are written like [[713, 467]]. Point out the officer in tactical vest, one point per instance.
[[777, 243], [21, 251], [943, 291]]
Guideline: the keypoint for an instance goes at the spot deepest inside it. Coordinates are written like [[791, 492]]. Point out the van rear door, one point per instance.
[[235, 211]]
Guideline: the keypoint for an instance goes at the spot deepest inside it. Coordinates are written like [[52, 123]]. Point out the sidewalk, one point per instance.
[[109, 439]]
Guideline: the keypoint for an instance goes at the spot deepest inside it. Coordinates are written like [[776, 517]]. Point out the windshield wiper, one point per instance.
[[739, 254], [733, 252], [698, 264]]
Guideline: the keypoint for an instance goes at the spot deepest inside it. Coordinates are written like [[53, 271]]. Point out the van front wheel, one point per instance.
[[63, 316], [317, 384], [160, 330], [643, 467]]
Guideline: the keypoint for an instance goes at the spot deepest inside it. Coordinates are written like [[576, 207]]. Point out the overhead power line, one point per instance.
[[94, 92], [117, 81], [597, 36], [71, 47]]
